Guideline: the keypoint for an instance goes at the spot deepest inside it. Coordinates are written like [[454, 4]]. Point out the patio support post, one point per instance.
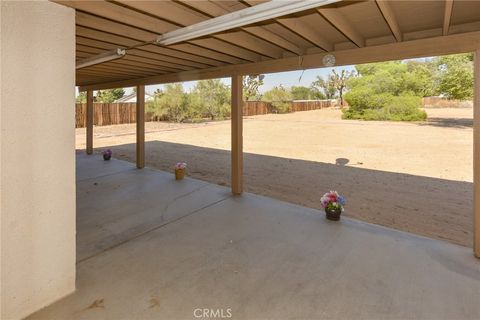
[[476, 155], [237, 134], [89, 124], [140, 126]]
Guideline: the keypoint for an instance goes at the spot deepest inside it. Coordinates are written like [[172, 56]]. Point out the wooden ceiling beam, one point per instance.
[[143, 27], [447, 16], [390, 19], [187, 51], [222, 50], [299, 28], [337, 20], [131, 60], [136, 55], [458, 43], [303, 30], [181, 15]]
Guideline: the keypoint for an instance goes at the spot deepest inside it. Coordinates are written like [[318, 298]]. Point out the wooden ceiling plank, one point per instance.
[[434, 46], [124, 64], [447, 16], [336, 19], [185, 51], [390, 18], [217, 49], [134, 60], [182, 16], [299, 27], [154, 58], [120, 69]]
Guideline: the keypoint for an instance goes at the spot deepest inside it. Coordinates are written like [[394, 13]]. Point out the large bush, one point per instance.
[[383, 106], [280, 98], [171, 104], [387, 91], [210, 98]]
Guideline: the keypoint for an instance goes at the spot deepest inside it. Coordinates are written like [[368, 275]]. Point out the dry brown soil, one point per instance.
[[415, 177]]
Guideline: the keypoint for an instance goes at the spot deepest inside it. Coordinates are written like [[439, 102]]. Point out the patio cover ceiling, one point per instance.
[[353, 31]]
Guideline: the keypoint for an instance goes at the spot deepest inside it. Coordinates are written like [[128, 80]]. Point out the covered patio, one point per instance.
[[146, 247], [149, 247]]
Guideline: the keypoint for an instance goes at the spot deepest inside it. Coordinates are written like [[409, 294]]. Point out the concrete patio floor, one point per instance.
[[149, 247]]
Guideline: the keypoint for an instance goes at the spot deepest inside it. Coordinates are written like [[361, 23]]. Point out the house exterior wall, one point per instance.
[[37, 177]]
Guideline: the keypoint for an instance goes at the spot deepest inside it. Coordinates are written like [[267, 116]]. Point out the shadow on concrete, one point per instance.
[[427, 206]]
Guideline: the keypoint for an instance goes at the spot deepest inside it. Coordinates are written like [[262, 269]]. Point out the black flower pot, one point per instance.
[[106, 157], [333, 214]]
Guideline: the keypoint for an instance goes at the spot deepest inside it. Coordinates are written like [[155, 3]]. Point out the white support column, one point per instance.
[[476, 155], [140, 114], [237, 134], [89, 124]]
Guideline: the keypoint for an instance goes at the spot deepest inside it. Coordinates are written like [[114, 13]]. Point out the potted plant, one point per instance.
[[107, 154], [180, 168], [333, 204]]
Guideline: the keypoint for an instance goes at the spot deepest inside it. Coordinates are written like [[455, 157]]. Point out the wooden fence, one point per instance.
[[105, 114], [439, 102]]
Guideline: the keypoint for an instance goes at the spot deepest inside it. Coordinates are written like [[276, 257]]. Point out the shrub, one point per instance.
[[280, 98], [385, 107]]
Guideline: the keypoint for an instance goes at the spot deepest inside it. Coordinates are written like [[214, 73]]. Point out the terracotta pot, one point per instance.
[[333, 214], [106, 157], [179, 174]]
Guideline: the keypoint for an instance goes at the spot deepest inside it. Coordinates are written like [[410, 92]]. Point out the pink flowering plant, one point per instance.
[[332, 201], [107, 153], [181, 165]]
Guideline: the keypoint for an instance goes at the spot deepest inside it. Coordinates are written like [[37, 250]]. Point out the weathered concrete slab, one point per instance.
[[264, 258], [116, 207]]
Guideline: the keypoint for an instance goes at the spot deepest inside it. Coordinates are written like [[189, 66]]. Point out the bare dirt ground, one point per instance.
[[415, 177]]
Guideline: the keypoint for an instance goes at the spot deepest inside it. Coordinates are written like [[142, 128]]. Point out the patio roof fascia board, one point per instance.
[[441, 45]]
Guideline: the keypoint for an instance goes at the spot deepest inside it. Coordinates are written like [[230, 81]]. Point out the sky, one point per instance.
[[286, 79]]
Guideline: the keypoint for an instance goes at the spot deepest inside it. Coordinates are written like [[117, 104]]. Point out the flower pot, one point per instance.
[[106, 157], [333, 214], [179, 174]]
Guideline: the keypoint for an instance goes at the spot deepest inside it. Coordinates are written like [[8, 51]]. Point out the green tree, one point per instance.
[[325, 86], [212, 98], [339, 81], [251, 86], [82, 97], [455, 76], [171, 104], [306, 93], [387, 91], [110, 95], [280, 98]]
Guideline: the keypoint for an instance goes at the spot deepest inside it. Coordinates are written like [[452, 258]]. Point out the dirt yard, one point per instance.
[[415, 177]]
